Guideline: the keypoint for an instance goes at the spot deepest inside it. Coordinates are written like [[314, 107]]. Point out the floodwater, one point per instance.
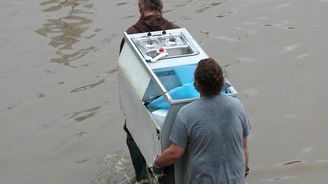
[[60, 120]]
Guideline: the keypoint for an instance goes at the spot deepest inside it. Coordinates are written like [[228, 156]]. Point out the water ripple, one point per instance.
[[84, 114], [72, 19], [87, 86]]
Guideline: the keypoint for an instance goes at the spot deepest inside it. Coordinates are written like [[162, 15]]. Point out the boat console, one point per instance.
[[176, 44]]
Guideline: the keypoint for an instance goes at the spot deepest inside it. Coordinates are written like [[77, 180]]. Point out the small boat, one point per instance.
[[155, 74]]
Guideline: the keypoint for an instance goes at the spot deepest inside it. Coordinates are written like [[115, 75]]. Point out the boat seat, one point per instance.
[[185, 91], [185, 74]]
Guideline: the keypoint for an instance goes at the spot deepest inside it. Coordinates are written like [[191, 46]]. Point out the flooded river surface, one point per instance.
[[60, 120]]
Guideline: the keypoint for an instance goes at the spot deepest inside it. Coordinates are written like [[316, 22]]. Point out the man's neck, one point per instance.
[[150, 13]]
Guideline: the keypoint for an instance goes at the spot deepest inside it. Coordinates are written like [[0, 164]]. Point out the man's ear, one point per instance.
[[197, 86], [141, 10]]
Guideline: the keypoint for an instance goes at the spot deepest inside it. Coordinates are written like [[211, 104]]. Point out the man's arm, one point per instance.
[[169, 156], [245, 144]]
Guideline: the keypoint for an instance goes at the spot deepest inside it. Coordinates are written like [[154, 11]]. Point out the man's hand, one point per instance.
[[157, 171], [168, 157], [246, 171]]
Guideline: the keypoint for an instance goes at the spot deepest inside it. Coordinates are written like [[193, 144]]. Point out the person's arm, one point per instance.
[[245, 144], [169, 156]]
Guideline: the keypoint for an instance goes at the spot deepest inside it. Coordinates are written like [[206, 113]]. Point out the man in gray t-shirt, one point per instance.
[[211, 133]]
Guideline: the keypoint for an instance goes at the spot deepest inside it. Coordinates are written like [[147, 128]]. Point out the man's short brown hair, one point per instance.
[[155, 5], [209, 76]]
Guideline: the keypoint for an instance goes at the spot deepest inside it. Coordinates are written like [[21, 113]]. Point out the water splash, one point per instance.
[[117, 169]]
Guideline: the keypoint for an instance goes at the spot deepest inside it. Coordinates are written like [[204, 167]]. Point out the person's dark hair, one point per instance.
[[209, 77], [151, 4]]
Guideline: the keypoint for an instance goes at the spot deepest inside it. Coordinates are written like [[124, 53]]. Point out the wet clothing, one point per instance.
[[138, 161], [145, 24], [212, 131], [148, 24]]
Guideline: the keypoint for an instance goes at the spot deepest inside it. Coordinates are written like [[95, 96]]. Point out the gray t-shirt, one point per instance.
[[212, 131]]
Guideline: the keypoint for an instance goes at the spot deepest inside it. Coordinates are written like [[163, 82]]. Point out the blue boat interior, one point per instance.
[[179, 82]]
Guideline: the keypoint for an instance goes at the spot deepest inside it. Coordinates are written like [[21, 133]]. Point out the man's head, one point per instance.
[[208, 77], [154, 6]]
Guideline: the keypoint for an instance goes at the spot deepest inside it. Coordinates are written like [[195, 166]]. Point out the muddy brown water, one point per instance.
[[60, 120]]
